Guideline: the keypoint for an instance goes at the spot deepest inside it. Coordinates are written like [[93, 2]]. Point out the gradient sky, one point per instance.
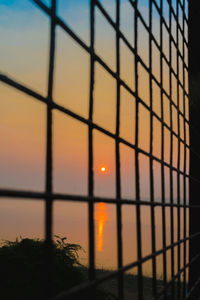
[[24, 55]]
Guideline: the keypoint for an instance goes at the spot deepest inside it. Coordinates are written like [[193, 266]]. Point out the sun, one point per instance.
[[102, 169]]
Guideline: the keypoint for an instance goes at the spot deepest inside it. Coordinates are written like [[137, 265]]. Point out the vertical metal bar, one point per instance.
[[48, 202], [185, 164], [49, 127], [118, 176], [162, 154], [91, 273], [171, 152], [137, 174], [178, 152], [194, 92], [153, 236]]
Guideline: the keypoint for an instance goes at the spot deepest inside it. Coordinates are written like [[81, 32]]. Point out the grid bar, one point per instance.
[[91, 274], [194, 64], [137, 175], [171, 160], [48, 200], [162, 158], [154, 276], [178, 158], [117, 155], [67, 197], [184, 178]]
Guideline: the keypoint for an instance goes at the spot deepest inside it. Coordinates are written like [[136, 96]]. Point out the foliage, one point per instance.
[[24, 269]]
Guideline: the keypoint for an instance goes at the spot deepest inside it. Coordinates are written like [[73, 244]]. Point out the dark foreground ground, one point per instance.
[[110, 287], [26, 273]]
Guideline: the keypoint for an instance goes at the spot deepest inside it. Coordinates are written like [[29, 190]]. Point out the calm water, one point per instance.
[[25, 218]]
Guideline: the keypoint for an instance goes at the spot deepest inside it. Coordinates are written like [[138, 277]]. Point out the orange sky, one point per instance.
[[23, 130]]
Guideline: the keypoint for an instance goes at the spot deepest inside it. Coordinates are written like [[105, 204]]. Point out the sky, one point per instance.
[[24, 56]]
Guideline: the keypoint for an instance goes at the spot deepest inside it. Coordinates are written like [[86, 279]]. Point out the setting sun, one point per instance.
[[103, 169]]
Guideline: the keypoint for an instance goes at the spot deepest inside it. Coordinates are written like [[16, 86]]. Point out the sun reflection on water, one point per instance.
[[101, 218]]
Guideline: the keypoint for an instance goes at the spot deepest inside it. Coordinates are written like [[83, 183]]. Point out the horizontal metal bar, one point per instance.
[[193, 289], [10, 193], [22, 88]]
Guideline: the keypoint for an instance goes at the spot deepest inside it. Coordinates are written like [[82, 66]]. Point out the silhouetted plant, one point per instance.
[[24, 274], [23, 270]]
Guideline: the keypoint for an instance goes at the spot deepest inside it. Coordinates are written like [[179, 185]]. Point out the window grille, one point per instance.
[[176, 17]]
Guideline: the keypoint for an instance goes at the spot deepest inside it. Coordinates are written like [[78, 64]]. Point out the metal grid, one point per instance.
[[178, 13]]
